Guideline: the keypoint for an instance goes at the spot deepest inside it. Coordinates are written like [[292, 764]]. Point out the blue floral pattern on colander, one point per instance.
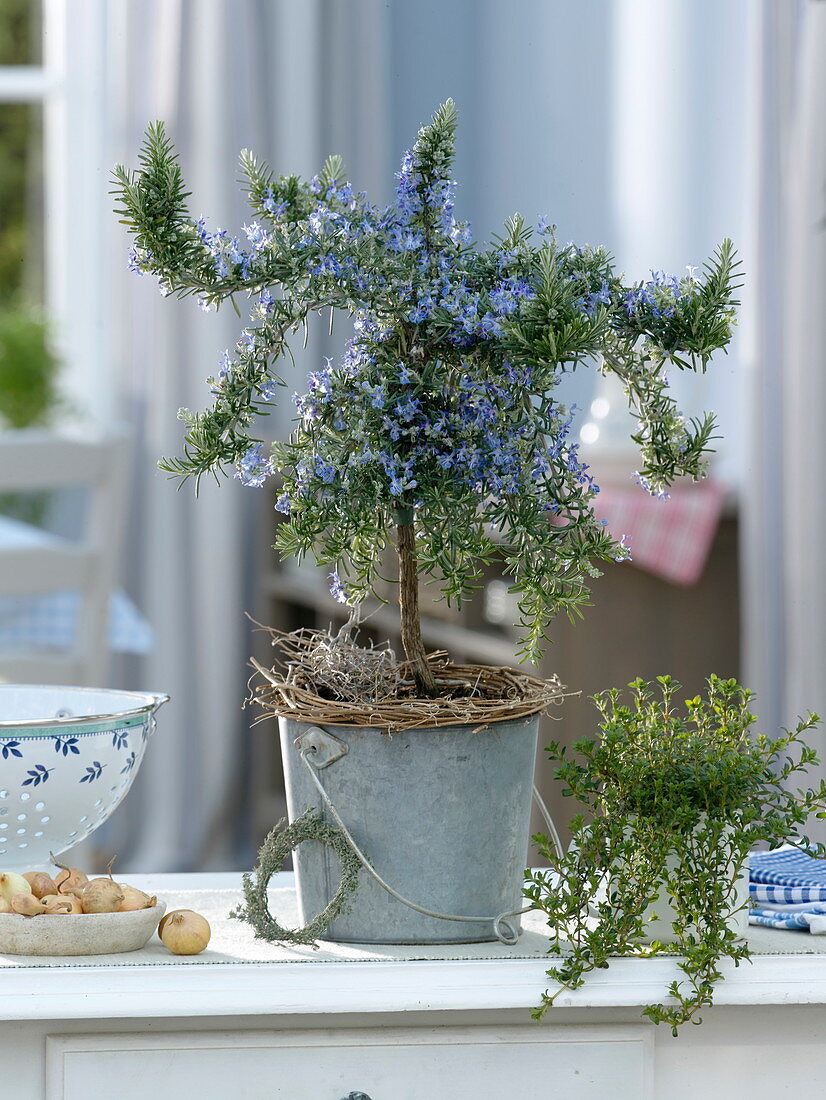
[[37, 775], [66, 745]]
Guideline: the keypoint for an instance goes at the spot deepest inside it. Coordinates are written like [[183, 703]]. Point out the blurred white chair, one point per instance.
[[38, 461]]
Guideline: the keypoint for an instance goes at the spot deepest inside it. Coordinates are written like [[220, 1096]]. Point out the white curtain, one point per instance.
[[187, 561], [805, 375], [224, 75], [784, 506]]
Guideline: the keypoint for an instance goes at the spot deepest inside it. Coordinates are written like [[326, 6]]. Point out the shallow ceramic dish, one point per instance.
[[68, 756], [80, 934]]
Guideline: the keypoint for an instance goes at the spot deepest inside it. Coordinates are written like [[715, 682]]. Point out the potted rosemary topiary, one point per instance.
[[437, 431], [672, 804]]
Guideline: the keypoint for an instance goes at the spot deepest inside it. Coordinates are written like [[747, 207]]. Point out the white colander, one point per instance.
[[68, 756]]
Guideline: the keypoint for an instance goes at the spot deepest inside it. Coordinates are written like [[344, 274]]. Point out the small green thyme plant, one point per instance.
[[438, 428], [672, 802]]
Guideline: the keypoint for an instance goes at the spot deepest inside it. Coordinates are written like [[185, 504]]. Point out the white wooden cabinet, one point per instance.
[[455, 1030]]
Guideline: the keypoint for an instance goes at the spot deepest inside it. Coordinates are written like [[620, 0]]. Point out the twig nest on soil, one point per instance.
[[309, 688]]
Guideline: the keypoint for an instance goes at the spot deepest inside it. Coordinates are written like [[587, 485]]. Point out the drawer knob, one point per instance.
[[356, 1096]]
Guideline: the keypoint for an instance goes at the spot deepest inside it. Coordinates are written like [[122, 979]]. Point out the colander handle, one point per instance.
[[158, 700]]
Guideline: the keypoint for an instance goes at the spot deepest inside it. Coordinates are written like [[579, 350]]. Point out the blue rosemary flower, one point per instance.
[[253, 467], [337, 589]]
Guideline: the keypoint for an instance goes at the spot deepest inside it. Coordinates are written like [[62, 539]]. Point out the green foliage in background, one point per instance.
[[21, 214], [28, 371], [674, 803], [29, 395], [20, 32]]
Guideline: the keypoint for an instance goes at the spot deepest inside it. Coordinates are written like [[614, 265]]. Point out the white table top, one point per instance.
[[304, 989]]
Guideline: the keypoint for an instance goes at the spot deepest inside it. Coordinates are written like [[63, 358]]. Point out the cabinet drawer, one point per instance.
[[571, 1062]]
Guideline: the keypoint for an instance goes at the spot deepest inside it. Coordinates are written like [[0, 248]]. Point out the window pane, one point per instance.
[[20, 32], [21, 204]]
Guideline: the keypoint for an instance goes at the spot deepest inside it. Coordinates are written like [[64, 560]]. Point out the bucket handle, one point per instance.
[[504, 931]]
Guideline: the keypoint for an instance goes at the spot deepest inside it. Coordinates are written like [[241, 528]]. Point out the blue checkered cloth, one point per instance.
[[787, 888], [48, 621]]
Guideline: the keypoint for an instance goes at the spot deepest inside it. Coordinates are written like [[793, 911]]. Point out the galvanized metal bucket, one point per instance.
[[443, 815]]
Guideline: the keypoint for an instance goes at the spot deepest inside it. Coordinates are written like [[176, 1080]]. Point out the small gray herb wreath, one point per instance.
[[310, 826]]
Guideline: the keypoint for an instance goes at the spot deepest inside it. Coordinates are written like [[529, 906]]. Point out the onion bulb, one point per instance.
[[11, 884], [101, 895], [165, 918], [61, 903], [184, 932], [70, 879], [134, 899], [27, 905], [4, 906], [57, 905], [41, 883]]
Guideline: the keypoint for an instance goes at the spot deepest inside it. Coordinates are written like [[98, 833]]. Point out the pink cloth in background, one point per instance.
[[671, 538]]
